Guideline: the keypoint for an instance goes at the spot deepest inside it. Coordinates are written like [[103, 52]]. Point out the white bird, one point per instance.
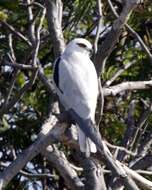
[[76, 83]]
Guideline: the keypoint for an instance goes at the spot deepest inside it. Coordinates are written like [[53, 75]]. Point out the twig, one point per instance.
[[37, 39], [19, 66], [118, 73], [98, 26], [6, 102], [17, 33], [10, 42], [144, 172], [13, 58], [36, 175], [32, 3], [95, 51], [20, 94], [120, 148], [142, 120], [101, 92], [76, 168], [142, 162], [145, 145], [32, 23], [38, 4]]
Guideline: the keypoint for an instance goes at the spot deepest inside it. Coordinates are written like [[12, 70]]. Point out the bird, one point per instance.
[[76, 84]]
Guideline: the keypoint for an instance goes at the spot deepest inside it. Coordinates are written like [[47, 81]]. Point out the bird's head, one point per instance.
[[79, 45]]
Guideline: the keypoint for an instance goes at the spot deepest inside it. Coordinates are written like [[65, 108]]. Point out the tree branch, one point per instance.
[[135, 34], [137, 85], [36, 175], [54, 17], [118, 73], [93, 173], [98, 26], [112, 37], [18, 66], [51, 131], [17, 33], [59, 161], [21, 93], [143, 181], [45, 137], [31, 22], [36, 44]]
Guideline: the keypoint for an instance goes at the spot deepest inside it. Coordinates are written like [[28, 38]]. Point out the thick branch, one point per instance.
[[44, 138], [137, 85], [112, 37], [59, 161], [54, 15], [94, 174], [52, 131], [143, 181]]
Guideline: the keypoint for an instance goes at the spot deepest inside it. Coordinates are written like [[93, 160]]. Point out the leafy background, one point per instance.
[[20, 125]]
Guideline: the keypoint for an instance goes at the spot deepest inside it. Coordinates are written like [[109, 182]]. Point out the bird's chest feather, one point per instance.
[[78, 76], [81, 68], [78, 83]]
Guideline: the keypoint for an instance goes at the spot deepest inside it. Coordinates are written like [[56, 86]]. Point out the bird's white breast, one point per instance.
[[78, 80]]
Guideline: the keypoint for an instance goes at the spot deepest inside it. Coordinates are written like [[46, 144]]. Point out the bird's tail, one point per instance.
[[86, 145], [88, 128]]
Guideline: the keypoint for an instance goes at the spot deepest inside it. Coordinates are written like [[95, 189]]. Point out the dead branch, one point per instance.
[[45, 137], [127, 86], [54, 16], [60, 162]]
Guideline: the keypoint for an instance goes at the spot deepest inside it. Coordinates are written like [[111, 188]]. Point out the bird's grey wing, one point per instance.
[[56, 77]]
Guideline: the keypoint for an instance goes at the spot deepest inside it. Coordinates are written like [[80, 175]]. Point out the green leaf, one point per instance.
[[20, 79], [3, 16]]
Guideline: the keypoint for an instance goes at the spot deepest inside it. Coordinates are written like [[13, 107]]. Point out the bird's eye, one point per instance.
[[81, 45]]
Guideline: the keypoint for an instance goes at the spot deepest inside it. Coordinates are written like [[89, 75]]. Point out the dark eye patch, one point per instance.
[[81, 45]]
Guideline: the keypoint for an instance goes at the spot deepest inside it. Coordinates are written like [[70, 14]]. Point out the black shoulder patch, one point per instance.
[[56, 73]]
